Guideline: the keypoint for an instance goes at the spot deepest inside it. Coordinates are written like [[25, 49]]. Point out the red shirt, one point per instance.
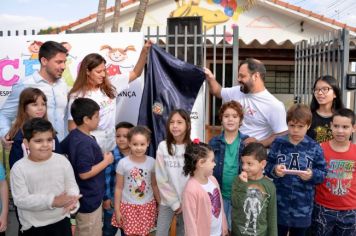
[[338, 191]]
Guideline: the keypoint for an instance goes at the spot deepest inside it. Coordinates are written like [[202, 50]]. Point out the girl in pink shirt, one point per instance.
[[202, 205]]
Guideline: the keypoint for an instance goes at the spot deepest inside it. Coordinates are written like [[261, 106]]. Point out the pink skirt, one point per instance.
[[136, 219]]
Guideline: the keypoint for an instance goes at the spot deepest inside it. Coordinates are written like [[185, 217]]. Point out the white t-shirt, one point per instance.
[[137, 180], [264, 114], [216, 208], [107, 105]]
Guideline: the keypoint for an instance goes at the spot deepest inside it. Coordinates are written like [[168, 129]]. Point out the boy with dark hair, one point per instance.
[[335, 199], [121, 150], [88, 163], [43, 185], [296, 164], [253, 197]]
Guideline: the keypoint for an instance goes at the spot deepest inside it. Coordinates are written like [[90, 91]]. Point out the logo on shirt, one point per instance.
[[253, 205], [157, 108], [248, 110], [215, 203], [323, 133], [339, 177], [139, 186]]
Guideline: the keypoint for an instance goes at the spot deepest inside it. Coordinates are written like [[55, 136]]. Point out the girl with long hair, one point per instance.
[[32, 104], [169, 171], [326, 100]]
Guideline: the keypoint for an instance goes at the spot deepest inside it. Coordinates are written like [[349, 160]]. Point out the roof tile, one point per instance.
[[278, 2]]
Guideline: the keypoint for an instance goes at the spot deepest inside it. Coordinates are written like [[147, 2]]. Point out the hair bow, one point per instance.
[[196, 141]]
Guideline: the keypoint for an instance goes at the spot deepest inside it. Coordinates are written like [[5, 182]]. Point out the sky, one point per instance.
[[39, 14]]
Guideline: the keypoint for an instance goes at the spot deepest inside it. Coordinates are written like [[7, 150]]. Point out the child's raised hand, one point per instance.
[[306, 175], [243, 176], [108, 157], [279, 170]]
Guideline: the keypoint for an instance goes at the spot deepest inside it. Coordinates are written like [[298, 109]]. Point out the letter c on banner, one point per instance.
[[15, 65]]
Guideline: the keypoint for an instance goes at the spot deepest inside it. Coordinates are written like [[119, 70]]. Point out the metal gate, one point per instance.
[[324, 55]]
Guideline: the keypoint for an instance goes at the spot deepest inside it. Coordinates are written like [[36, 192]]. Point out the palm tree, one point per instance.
[[140, 15], [100, 17], [115, 23]]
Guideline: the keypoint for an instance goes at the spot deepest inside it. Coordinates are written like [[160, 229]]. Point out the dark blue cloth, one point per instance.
[[169, 84], [16, 152], [218, 145], [83, 153], [295, 197]]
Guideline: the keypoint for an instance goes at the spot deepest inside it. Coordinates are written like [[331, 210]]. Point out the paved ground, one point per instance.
[[12, 226]]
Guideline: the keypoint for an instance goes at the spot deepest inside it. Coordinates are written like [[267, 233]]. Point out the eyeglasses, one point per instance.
[[324, 90]]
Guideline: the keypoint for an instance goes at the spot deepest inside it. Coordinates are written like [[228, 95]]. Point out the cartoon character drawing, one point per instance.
[[116, 56], [253, 205], [67, 75], [34, 49], [339, 177], [140, 183], [32, 63], [252, 208], [210, 18]]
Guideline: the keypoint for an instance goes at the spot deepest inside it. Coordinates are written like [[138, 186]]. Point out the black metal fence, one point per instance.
[[4, 33], [325, 55]]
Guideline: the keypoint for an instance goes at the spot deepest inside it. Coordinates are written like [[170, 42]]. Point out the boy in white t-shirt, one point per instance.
[[43, 185]]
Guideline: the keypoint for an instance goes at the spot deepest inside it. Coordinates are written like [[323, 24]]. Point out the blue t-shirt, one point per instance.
[[83, 153]]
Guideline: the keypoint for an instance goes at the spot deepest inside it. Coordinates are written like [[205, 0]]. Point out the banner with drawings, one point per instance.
[[19, 58]]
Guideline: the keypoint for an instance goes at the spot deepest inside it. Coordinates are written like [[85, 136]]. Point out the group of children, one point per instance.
[[226, 186]]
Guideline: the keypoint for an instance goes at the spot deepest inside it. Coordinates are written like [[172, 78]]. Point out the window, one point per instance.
[[280, 79]]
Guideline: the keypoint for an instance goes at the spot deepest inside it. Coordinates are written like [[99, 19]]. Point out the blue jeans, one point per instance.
[[108, 229], [293, 231], [227, 210], [328, 222]]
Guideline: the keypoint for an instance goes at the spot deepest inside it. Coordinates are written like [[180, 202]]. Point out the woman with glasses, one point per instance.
[[326, 100]]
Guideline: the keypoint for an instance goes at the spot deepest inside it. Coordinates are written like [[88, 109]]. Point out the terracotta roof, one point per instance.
[[277, 2], [91, 16], [313, 14]]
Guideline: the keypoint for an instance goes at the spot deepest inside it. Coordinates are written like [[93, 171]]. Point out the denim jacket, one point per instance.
[[218, 145]]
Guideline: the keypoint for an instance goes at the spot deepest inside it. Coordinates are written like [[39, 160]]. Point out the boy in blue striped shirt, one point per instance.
[[121, 150]]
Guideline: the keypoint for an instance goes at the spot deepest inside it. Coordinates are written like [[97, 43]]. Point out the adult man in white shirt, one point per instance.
[[52, 56], [264, 115]]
